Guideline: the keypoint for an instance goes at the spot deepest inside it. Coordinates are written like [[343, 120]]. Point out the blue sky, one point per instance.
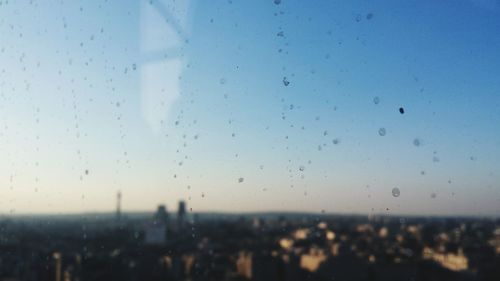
[[179, 100]]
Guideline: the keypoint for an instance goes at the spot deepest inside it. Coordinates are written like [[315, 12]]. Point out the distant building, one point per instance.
[[181, 215], [244, 264], [162, 214], [155, 232]]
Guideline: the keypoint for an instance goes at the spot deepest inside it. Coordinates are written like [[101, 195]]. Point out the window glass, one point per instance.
[[249, 140]]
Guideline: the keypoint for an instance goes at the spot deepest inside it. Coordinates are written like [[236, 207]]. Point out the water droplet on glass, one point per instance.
[[369, 16], [381, 132], [240, 180], [302, 168], [396, 192], [285, 81], [416, 142], [401, 110], [222, 81], [277, 2], [433, 195], [376, 100]]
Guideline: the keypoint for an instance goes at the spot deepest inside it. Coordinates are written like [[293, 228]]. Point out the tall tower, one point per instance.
[[181, 214], [118, 205]]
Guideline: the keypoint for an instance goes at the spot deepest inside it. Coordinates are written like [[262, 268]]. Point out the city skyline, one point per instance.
[[292, 107]]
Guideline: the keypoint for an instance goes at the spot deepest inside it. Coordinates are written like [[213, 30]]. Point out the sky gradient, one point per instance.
[[169, 100]]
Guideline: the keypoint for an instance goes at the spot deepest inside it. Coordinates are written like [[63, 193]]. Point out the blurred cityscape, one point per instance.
[[264, 246]]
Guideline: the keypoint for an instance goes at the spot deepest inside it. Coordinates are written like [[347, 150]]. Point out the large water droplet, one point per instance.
[[285, 81], [396, 192]]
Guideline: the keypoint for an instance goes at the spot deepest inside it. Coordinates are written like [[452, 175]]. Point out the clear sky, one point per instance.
[[250, 106]]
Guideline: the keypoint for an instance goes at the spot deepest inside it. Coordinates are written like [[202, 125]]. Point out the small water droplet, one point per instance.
[[240, 180], [416, 142], [376, 100], [381, 132], [401, 110]]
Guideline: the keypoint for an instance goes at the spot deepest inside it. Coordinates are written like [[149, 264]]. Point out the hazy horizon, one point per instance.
[[343, 107]]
